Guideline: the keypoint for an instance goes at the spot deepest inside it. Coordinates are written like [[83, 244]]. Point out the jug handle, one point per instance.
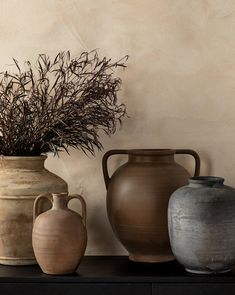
[[36, 204], [80, 198], [195, 156], [105, 162]]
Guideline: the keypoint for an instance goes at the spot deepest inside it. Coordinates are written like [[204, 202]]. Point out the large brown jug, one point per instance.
[[137, 200]]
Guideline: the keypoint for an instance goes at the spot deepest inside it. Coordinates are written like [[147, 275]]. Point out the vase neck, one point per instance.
[[24, 163], [209, 181], [60, 201], [149, 155]]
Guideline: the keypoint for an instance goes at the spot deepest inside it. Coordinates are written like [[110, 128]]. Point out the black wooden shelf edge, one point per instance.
[[113, 269]]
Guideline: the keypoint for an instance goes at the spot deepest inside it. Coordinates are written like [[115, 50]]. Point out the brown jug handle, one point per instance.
[[195, 156], [105, 162], [36, 204], [80, 198]]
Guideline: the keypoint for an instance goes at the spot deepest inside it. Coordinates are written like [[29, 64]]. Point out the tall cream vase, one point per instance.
[[22, 179]]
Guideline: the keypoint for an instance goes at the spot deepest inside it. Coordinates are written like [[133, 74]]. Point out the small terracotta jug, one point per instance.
[[59, 235]]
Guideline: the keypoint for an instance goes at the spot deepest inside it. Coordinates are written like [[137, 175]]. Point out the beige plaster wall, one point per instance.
[[179, 86]]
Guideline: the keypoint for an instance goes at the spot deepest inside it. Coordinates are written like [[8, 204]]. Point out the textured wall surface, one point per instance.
[[179, 86]]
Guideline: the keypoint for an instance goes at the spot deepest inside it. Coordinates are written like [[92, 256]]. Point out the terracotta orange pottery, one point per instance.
[[137, 199], [59, 235]]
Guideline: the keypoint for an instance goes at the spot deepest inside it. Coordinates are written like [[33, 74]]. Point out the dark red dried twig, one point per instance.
[[61, 103]]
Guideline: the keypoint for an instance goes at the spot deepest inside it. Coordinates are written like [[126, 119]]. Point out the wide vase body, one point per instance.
[[201, 218], [59, 235], [22, 179], [137, 198]]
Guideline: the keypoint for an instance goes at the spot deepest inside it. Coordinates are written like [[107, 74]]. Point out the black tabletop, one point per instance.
[[113, 269]]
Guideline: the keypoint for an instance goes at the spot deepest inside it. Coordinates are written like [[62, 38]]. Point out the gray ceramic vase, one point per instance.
[[201, 221]]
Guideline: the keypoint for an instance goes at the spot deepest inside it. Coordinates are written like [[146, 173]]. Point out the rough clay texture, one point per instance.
[[201, 222], [22, 179], [179, 86], [59, 236]]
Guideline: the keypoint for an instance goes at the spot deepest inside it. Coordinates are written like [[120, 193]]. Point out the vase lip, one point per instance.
[[60, 195], [149, 152], [206, 180], [32, 158]]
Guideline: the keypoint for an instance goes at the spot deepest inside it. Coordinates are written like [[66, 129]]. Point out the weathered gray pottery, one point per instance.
[[201, 221]]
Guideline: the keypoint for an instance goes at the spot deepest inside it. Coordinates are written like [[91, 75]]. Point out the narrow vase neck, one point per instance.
[[60, 201]]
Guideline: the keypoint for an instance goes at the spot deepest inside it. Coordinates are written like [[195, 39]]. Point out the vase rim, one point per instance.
[[151, 152], [206, 179], [32, 158], [60, 195]]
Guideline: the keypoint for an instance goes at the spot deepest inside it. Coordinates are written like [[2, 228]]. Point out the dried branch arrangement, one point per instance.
[[59, 103]]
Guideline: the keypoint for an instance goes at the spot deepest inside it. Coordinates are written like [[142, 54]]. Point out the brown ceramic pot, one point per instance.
[[59, 235], [137, 200]]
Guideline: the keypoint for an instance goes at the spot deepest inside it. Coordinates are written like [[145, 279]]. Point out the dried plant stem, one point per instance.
[[60, 103]]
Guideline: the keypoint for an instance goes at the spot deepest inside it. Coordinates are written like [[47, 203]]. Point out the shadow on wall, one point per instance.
[[188, 163], [101, 233]]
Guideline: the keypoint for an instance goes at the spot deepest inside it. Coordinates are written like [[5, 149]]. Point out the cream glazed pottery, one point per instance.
[[22, 179], [59, 235]]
